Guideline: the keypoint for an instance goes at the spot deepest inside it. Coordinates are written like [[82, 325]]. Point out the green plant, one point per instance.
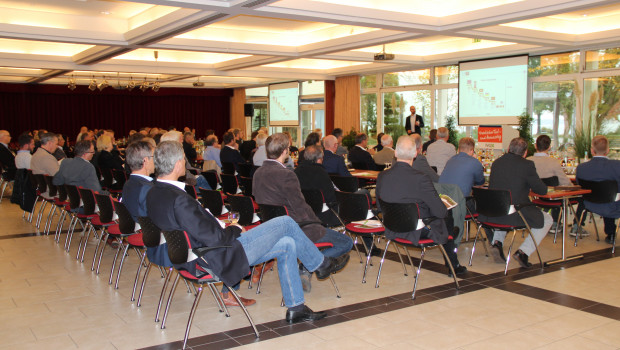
[[583, 139], [348, 140], [525, 131], [452, 132]]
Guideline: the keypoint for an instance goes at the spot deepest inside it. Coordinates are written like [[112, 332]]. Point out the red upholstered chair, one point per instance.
[[214, 201], [246, 207], [181, 251], [41, 188], [230, 184], [212, 178], [53, 191], [83, 217], [405, 217], [127, 233]]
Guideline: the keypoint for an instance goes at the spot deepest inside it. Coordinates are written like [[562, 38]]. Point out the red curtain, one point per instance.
[[58, 109]]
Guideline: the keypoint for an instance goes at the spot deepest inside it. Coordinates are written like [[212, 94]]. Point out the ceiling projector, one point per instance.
[[382, 56], [198, 84]]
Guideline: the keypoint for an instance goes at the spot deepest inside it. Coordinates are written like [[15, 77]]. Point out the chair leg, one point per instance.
[[445, 255], [91, 229], [402, 263], [163, 292], [104, 239], [245, 311], [216, 296], [33, 208], [260, 279], [331, 278], [99, 239], [122, 247], [135, 281], [69, 236], [50, 217], [59, 225], [83, 241], [120, 266], [359, 255], [613, 241], [595, 227], [387, 244], [367, 259], [473, 247], [146, 274], [172, 289], [514, 233], [417, 273], [191, 316]]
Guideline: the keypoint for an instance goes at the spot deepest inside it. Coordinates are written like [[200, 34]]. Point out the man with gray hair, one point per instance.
[[43, 161], [79, 171], [440, 151], [333, 163], [193, 180], [385, 155], [418, 189], [232, 254], [421, 163], [261, 154]]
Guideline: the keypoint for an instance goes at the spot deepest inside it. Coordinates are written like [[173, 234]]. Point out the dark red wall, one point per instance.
[[58, 109]]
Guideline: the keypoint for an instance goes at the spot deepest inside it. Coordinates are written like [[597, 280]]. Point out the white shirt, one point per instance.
[[22, 159], [178, 184]]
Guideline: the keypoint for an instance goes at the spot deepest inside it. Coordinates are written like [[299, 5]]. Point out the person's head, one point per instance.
[[314, 154], [26, 142], [361, 139], [228, 138], [432, 134], [290, 138], [443, 133], [277, 146], [338, 133], [84, 149], [172, 128], [518, 146], [417, 140], [379, 136], [320, 132], [406, 149], [543, 142], [386, 140], [49, 141], [169, 159], [135, 137], [237, 133], [188, 137], [209, 132], [5, 137], [211, 140], [254, 134], [261, 138], [313, 138], [104, 143], [61, 140], [600, 145], [466, 145], [132, 131], [139, 156], [88, 136], [412, 109], [186, 129], [265, 130], [172, 136], [331, 143], [154, 131], [83, 129]]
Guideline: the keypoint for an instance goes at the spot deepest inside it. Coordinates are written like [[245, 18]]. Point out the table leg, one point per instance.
[[564, 258]]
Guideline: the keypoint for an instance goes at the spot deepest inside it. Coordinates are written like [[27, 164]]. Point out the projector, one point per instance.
[[198, 84], [382, 56]]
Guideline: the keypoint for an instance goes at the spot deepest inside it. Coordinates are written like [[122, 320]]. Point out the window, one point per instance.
[[257, 92], [603, 59], [447, 75], [602, 110], [412, 77], [261, 114], [561, 63], [396, 110], [368, 120], [553, 111], [368, 81], [313, 87]]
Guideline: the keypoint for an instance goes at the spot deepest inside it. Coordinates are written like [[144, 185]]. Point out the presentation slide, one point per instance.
[[492, 91], [284, 104]]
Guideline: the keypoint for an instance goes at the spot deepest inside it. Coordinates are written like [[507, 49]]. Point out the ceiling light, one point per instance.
[[72, 84], [131, 84], [156, 86], [105, 12], [104, 84], [145, 85], [93, 84]]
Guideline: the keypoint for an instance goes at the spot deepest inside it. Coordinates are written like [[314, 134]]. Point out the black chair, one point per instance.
[[228, 168], [120, 176], [554, 204], [90, 206], [602, 192], [178, 250], [35, 185], [213, 201], [191, 190], [75, 203], [245, 206], [63, 203], [230, 185], [345, 183], [41, 188], [6, 177], [244, 169], [212, 178], [127, 234], [53, 192], [246, 185], [495, 203], [399, 218], [316, 201]]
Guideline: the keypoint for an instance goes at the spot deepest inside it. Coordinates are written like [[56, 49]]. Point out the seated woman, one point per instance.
[[108, 160]]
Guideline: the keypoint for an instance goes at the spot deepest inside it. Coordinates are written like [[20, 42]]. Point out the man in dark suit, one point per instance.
[[7, 158], [421, 163], [231, 253], [414, 123], [359, 156], [518, 175], [334, 164], [601, 168], [229, 152], [403, 184], [188, 147], [79, 171], [313, 176]]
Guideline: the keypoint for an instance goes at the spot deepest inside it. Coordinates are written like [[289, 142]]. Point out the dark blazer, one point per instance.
[[416, 129], [518, 175], [276, 185], [229, 155], [313, 176], [79, 172], [403, 184], [334, 164], [599, 169], [190, 152], [359, 155], [421, 164], [171, 208], [107, 160], [134, 197], [8, 161], [246, 149]]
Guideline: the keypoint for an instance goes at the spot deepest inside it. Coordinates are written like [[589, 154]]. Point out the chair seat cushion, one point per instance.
[[502, 226], [61, 203], [135, 240], [423, 241], [203, 279], [84, 216], [354, 228], [97, 222], [324, 245], [469, 217], [551, 203], [114, 230]]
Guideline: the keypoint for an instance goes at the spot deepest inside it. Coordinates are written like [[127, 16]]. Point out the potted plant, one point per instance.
[[525, 131]]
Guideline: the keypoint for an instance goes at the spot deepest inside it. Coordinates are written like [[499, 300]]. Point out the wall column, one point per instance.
[[347, 103], [237, 119]]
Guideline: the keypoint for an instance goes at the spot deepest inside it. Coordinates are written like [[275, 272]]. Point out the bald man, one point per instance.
[[334, 164], [7, 157]]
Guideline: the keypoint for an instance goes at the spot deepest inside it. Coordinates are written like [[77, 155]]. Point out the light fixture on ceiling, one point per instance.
[[131, 84], [198, 83], [156, 85], [72, 84], [145, 85], [383, 56], [93, 84], [104, 84]]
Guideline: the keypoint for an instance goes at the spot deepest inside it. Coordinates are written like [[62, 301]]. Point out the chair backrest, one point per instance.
[[360, 165], [602, 191], [212, 200], [53, 189], [106, 207], [346, 183], [244, 169], [120, 176], [107, 177], [245, 206], [434, 168], [315, 200], [40, 180], [400, 217], [229, 183], [125, 221], [88, 200], [74, 196], [353, 206], [62, 193], [33, 181], [551, 181], [492, 202], [151, 234], [211, 177], [268, 211], [228, 168], [178, 246], [246, 184], [191, 190]]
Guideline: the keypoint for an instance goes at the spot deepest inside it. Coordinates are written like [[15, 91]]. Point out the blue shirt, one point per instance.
[[212, 153], [463, 170]]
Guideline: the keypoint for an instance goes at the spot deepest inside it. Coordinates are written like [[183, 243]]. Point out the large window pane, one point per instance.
[[603, 59], [412, 77], [560, 63], [293, 130], [313, 87], [261, 112], [447, 75], [368, 81], [396, 109], [554, 112], [368, 118], [602, 106], [447, 105]]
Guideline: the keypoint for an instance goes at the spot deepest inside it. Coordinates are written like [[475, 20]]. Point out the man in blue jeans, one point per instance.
[[232, 253], [274, 184]]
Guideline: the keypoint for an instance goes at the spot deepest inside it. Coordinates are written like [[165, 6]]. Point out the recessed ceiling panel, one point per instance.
[[435, 45], [111, 8], [41, 47], [178, 56], [308, 63]]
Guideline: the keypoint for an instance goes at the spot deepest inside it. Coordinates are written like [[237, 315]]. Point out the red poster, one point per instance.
[[490, 136]]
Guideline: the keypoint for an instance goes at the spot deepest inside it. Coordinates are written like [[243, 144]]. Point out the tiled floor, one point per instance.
[[49, 300]]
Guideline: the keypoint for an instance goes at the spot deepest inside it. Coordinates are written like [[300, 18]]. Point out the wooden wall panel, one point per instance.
[[347, 103], [329, 106], [237, 119]]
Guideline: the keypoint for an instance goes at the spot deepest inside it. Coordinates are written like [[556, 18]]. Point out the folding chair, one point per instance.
[[602, 192]]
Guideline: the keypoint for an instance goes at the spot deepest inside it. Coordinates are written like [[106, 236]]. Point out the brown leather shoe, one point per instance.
[[230, 300], [257, 270]]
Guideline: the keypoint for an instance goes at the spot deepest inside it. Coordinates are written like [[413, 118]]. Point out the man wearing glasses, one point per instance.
[[79, 171]]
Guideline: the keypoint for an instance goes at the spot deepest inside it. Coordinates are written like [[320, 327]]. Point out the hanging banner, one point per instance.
[[490, 136]]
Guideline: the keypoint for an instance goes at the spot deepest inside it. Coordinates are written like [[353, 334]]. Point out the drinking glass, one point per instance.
[[233, 217]]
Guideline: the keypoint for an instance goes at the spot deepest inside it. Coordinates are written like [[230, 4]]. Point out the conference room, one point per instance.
[[486, 70]]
